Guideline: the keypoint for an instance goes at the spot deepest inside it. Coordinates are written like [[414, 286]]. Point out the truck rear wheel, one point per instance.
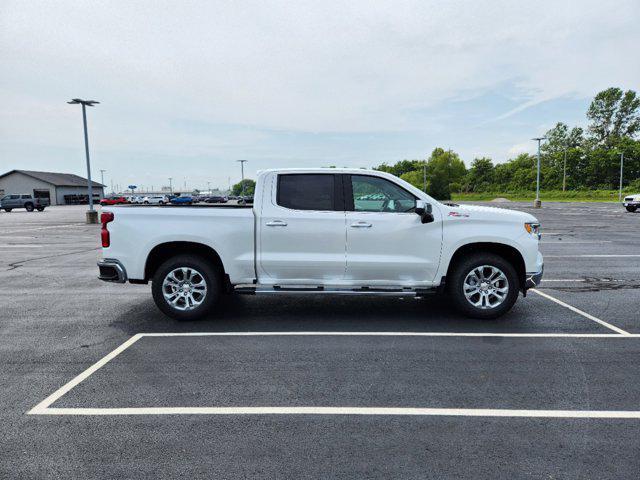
[[483, 285], [186, 287]]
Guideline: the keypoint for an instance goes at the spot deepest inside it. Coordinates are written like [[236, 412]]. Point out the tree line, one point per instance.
[[590, 158]]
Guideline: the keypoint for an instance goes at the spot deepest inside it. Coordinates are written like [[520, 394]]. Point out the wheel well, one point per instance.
[[507, 252], [164, 251]]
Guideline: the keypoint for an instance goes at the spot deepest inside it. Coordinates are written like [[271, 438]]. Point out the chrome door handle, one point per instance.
[[361, 225], [276, 223]]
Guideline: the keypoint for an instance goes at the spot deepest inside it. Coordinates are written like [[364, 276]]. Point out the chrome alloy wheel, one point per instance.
[[486, 287], [184, 288]]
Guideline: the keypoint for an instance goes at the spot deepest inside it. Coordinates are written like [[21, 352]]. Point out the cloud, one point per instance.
[[305, 66]]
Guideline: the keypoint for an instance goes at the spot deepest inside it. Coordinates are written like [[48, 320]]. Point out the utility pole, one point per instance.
[[170, 185], [537, 203], [564, 172], [424, 177], [621, 168], [92, 215], [242, 171], [102, 180]]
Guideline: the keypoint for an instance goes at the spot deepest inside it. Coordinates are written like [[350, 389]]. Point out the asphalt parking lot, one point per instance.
[[304, 387]]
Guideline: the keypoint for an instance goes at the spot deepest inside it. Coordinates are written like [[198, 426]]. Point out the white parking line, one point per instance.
[[580, 312], [454, 412], [43, 408]]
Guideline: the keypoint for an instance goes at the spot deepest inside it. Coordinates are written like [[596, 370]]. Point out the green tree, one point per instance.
[[249, 187], [400, 168], [481, 175], [614, 114], [444, 168]]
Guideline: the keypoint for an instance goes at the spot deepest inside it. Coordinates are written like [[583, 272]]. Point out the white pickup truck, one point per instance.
[[323, 231]]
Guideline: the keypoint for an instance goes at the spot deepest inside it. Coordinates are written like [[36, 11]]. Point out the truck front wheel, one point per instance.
[[186, 287], [29, 207], [483, 285], [631, 208]]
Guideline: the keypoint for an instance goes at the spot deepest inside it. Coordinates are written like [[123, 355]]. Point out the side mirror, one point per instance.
[[424, 210]]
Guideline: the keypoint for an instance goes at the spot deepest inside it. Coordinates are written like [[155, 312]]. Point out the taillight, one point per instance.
[[105, 218]]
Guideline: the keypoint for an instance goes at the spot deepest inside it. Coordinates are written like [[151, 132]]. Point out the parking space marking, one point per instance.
[[401, 411], [84, 375], [580, 312], [43, 408]]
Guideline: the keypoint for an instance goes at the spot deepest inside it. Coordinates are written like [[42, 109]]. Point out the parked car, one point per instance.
[[216, 199], [631, 202], [155, 200], [113, 200], [246, 199], [26, 201], [310, 233], [182, 199]]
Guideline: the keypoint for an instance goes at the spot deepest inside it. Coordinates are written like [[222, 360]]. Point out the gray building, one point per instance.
[[58, 188]]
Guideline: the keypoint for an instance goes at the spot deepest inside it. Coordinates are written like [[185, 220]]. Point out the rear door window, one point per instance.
[[313, 191]]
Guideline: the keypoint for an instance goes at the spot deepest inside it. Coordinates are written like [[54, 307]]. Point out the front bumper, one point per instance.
[[633, 203], [533, 279], [111, 270]]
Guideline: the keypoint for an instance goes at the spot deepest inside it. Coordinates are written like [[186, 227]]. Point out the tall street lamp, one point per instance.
[[170, 185], [242, 172], [621, 167], [92, 215], [537, 203], [102, 178]]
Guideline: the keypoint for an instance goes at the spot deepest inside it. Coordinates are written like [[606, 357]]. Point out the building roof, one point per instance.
[[57, 179]]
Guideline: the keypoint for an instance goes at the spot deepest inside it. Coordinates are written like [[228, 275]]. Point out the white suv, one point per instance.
[[155, 200], [631, 202]]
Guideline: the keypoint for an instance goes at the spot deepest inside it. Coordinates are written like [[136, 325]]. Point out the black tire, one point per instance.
[[40, 209], [29, 207], [8, 209], [456, 281], [631, 208], [210, 275]]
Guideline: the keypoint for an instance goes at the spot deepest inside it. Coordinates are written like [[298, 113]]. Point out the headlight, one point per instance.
[[533, 229]]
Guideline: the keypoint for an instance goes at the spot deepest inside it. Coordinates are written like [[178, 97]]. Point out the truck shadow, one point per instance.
[[326, 313]]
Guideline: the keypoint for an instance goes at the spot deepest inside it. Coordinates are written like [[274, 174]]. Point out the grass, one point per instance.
[[549, 196]]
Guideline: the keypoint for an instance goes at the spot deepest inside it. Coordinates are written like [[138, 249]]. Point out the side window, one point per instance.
[[306, 191], [374, 194], [14, 197], [26, 197]]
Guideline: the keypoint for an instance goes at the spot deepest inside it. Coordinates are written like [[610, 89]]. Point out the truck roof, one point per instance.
[[320, 170]]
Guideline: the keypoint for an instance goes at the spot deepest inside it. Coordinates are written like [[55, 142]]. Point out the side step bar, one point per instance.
[[320, 290]]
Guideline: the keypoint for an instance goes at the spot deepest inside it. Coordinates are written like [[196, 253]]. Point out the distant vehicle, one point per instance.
[[232, 197], [246, 199], [114, 200], [310, 233], [9, 202], [631, 202], [182, 200], [137, 199], [216, 199], [155, 200]]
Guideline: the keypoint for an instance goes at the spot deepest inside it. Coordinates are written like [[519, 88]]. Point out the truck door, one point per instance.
[[301, 230], [387, 244]]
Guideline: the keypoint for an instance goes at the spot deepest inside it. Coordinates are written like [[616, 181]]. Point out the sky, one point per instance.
[[187, 88]]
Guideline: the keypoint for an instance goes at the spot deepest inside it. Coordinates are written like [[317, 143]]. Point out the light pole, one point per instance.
[[170, 185], [621, 167], [537, 203], [564, 171], [102, 179], [242, 172], [92, 215], [424, 177]]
